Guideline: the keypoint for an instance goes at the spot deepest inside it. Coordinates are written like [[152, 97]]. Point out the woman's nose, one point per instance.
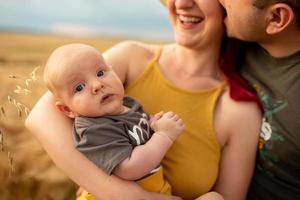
[[184, 3]]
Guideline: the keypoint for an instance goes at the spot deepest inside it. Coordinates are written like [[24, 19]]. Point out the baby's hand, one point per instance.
[[156, 117], [168, 124]]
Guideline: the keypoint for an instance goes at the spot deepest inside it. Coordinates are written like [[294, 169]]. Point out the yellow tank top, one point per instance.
[[192, 163]]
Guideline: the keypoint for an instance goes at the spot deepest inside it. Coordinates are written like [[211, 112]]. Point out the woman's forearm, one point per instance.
[[53, 130]]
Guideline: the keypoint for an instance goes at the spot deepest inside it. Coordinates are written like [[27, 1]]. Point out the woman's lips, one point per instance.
[[189, 19], [189, 22]]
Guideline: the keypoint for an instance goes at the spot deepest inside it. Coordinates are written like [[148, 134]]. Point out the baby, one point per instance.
[[113, 131]]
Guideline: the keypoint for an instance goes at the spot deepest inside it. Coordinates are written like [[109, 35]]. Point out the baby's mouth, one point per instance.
[[106, 98]]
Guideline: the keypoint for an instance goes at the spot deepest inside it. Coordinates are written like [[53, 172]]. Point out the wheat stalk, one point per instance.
[[32, 77], [11, 163], [21, 108], [22, 90], [1, 141], [9, 154], [26, 81], [2, 111]]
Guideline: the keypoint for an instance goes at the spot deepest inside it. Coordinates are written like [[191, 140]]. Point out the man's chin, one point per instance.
[[225, 21], [231, 34], [228, 32]]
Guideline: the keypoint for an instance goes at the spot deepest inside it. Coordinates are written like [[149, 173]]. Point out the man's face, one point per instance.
[[244, 21]]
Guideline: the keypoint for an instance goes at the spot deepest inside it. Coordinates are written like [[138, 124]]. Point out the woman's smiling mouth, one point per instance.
[[189, 19]]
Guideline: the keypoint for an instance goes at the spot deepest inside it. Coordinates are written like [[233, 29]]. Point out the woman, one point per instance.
[[216, 151]]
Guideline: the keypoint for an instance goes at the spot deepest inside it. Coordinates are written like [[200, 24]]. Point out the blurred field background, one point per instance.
[[26, 172]]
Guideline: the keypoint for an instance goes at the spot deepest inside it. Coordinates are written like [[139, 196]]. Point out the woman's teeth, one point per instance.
[[186, 19]]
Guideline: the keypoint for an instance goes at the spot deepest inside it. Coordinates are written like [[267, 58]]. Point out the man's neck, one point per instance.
[[284, 46]]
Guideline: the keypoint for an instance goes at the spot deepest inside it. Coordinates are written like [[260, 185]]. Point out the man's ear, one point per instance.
[[279, 17], [65, 109]]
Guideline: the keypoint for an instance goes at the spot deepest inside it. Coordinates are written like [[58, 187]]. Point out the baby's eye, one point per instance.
[[100, 73], [79, 87]]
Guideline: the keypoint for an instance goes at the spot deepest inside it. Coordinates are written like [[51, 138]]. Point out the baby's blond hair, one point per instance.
[[58, 61]]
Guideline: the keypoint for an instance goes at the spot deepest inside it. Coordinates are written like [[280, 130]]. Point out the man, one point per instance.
[[271, 64]]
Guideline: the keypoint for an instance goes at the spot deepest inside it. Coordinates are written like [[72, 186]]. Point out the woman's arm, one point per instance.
[[129, 59], [241, 122], [53, 130]]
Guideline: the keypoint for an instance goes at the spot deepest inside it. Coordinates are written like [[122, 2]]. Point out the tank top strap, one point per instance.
[[157, 54], [156, 57]]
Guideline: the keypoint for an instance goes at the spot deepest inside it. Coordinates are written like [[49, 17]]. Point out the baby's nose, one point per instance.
[[97, 87]]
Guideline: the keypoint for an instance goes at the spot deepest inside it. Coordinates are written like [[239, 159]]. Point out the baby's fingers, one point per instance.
[[180, 122], [169, 114], [156, 117], [175, 117]]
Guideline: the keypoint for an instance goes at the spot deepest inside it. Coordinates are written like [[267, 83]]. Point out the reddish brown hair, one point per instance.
[[239, 88]]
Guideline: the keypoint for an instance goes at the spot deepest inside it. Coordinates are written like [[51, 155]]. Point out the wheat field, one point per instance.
[[26, 172]]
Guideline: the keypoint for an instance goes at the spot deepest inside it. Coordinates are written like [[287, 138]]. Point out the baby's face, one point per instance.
[[91, 88]]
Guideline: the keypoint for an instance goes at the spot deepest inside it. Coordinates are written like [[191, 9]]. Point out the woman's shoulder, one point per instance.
[[237, 116], [130, 48], [242, 110], [129, 58]]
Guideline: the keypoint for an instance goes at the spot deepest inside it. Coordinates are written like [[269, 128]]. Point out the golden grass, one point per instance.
[[26, 171]]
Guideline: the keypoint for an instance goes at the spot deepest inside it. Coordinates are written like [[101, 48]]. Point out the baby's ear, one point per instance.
[[65, 109]]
